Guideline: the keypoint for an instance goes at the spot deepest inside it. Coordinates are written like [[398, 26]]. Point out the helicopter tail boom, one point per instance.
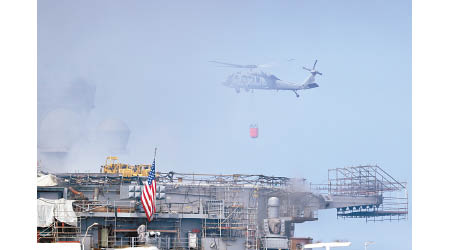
[[309, 85]]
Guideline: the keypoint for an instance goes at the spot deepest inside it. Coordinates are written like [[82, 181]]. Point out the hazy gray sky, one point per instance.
[[149, 63]]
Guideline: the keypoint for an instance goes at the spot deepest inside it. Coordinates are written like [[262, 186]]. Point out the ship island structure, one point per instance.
[[206, 211]]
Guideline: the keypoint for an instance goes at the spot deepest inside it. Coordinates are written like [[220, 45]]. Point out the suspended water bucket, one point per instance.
[[254, 131]]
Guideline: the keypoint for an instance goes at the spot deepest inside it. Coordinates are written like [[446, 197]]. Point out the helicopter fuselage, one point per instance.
[[262, 80]]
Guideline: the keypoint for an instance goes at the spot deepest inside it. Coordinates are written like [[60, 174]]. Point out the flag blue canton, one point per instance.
[[151, 175]]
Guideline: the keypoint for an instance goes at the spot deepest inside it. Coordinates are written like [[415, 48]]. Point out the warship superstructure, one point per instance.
[[207, 211]]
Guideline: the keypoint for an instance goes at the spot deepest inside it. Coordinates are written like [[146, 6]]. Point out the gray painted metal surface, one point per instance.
[[223, 211]]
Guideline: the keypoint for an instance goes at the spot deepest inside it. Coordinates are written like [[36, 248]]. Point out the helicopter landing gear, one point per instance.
[[296, 94]]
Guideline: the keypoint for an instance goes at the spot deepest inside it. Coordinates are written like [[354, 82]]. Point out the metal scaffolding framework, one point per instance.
[[369, 181], [231, 179], [234, 219]]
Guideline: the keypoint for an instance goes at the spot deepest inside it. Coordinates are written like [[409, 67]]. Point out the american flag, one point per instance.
[[148, 198]]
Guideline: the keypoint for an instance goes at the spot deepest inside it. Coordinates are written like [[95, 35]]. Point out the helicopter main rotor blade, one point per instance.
[[236, 65], [314, 67], [267, 65], [305, 68]]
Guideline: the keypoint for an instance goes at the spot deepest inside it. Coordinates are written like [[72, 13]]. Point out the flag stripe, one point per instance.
[[154, 196], [143, 204], [146, 199], [148, 206]]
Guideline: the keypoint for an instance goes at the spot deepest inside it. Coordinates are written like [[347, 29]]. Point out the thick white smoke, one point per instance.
[[65, 141]]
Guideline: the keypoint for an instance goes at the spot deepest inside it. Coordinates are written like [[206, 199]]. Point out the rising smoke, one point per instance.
[[65, 140]]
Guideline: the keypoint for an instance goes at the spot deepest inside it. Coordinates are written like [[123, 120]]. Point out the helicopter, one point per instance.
[[251, 80]]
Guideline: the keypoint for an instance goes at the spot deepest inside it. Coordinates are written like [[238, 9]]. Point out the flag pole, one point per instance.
[[154, 156]]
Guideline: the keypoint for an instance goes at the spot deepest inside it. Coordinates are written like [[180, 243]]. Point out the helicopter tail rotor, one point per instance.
[[313, 70], [314, 67]]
